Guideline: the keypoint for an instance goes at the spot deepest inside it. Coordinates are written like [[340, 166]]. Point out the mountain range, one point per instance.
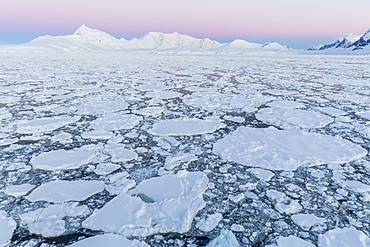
[[86, 39], [349, 44]]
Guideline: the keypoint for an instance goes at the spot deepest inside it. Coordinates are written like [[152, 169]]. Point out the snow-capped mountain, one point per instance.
[[86, 39], [359, 43]]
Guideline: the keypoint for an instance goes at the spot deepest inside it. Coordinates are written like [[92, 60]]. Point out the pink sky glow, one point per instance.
[[217, 19]]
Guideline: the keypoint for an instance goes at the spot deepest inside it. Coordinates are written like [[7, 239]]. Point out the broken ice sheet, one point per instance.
[[174, 201], [225, 239], [7, 227], [50, 221], [116, 121], [209, 223], [177, 127], [109, 240], [42, 125], [284, 149], [344, 237], [63, 191], [61, 159]]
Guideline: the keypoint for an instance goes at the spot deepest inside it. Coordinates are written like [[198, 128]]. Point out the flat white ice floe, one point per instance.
[[49, 221], [306, 221], [43, 124], [274, 149], [178, 127], [225, 239], [7, 227], [293, 118], [18, 190], [365, 114], [344, 237], [109, 240], [116, 121], [61, 159], [209, 223], [157, 205], [97, 134], [63, 191], [293, 241]]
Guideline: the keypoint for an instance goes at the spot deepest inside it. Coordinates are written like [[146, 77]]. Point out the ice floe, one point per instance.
[[50, 221], [62, 159], [116, 121], [274, 149], [7, 227], [63, 191], [306, 221], [109, 240], [209, 223], [157, 205], [18, 190], [344, 237], [43, 124], [178, 127], [293, 241], [225, 239]]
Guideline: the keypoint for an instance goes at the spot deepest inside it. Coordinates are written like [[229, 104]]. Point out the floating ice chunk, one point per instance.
[[116, 121], [331, 111], [4, 113], [181, 159], [293, 241], [109, 240], [306, 221], [119, 183], [63, 191], [209, 223], [106, 168], [100, 106], [284, 149], [18, 190], [365, 114], [7, 227], [5, 142], [284, 204], [286, 104], [356, 186], [61, 159], [235, 119], [177, 127], [162, 204], [262, 174], [344, 237], [49, 222], [62, 138], [150, 111], [97, 134], [119, 153], [43, 124], [237, 228], [226, 239], [293, 118]]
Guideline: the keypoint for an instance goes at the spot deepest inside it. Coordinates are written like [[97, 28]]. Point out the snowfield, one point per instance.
[[124, 149]]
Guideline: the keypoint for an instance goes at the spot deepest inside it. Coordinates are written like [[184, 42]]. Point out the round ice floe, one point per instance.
[[177, 127], [293, 118], [109, 240], [157, 205], [293, 241], [116, 121], [61, 159], [18, 190], [284, 149], [63, 191], [7, 227], [44, 124], [344, 237]]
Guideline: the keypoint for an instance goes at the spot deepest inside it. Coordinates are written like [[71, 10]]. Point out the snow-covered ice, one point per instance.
[[7, 227], [225, 239], [293, 241], [157, 205], [306, 221], [344, 237], [275, 149], [111, 240], [18, 190], [63, 191]]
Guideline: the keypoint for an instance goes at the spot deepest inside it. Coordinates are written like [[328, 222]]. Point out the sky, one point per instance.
[[296, 23]]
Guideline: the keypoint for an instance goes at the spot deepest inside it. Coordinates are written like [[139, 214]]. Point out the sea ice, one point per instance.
[[365, 114], [42, 125], [293, 241], [177, 127], [288, 118], [209, 223], [50, 221], [106, 168], [286, 104], [6, 142], [331, 111], [63, 191], [7, 227], [344, 237], [109, 240], [284, 149], [116, 121], [97, 134], [18, 190], [157, 205], [225, 239], [61, 159], [119, 153], [306, 221]]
